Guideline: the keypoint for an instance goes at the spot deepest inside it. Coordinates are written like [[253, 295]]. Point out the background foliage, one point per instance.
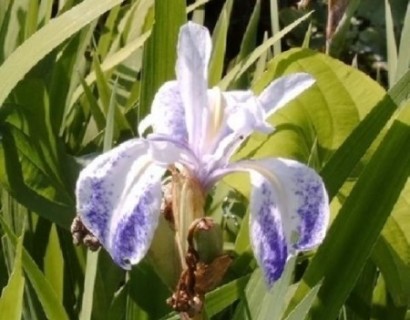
[[76, 77]]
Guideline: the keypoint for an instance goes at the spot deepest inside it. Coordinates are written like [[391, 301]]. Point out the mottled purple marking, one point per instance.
[[311, 195], [131, 232], [98, 209], [272, 245], [169, 113]]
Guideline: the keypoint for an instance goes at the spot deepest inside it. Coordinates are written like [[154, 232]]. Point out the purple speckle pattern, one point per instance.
[[96, 188], [132, 235], [118, 200], [168, 112], [99, 207], [268, 240], [312, 206]]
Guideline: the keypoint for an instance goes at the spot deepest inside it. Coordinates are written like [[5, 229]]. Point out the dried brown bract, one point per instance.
[[198, 278], [81, 235]]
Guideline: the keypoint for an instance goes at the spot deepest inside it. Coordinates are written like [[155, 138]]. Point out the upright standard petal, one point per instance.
[[194, 48], [266, 229], [283, 90], [167, 115], [118, 200]]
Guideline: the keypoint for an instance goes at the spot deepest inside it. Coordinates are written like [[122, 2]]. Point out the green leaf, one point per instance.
[[216, 64], [354, 147], [261, 303], [274, 20], [353, 234], [54, 263], [359, 302], [152, 301], [383, 307], [110, 62], [46, 39], [23, 175], [245, 64], [403, 60], [317, 122], [46, 295], [391, 43], [392, 252], [302, 309], [248, 43], [89, 282], [224, 296], [11, 299], [160, 51]]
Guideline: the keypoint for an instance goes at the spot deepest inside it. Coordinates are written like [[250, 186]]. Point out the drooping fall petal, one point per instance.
[[118, 200]]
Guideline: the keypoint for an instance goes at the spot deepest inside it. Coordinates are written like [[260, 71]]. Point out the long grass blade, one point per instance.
[[403, 61], [391, 43], [46, 39]]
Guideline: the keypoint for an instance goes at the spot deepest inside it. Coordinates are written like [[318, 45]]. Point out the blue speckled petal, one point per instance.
[[289, 210], [304, 202], [266, 230], [168, 114], [118, 200], [307, 204]]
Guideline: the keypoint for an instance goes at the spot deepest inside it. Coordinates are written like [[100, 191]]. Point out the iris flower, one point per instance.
[[197, 130]]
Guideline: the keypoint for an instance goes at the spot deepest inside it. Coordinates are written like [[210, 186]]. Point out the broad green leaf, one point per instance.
[[46, 39], [11, 298], [46, 295], [348, 155], [216, 64], [160, 51], [316, 123], [353, 234]]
